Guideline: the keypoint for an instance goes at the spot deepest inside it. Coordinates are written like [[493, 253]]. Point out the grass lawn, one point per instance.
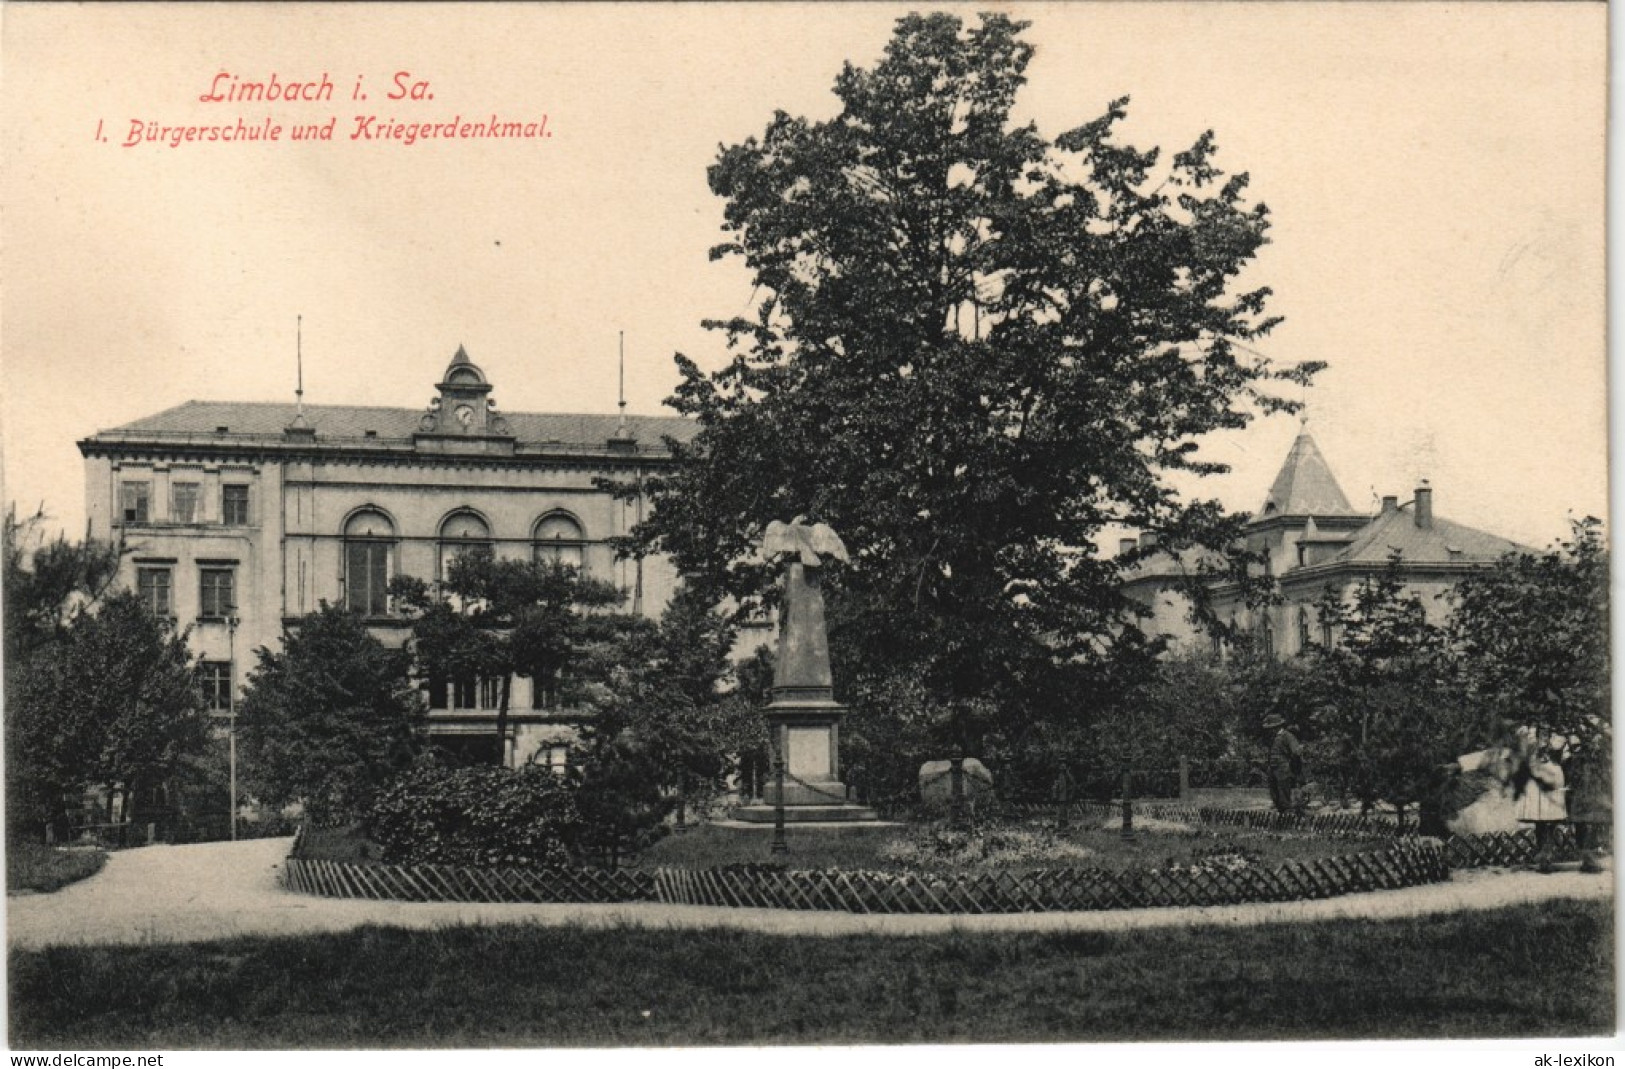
[[1539, 970], [34, 867]]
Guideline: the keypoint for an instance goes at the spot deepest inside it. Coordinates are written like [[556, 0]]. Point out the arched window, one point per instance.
[[369, 553], [559, 537], [460, 533], [1305, 639]]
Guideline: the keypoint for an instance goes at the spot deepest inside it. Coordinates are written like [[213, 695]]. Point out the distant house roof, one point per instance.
[[332, 422], [1305, 485], [1443, 542]]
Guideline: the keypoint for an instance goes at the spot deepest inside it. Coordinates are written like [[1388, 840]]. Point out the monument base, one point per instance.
[[817, 792], [849, 813]]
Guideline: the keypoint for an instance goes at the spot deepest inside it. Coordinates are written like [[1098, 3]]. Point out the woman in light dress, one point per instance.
[[1532, 767]]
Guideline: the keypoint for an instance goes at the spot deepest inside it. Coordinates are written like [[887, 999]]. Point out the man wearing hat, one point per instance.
[[1285, 767]]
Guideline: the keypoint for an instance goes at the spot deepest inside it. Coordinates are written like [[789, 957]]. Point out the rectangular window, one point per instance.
[[544, 692], [464, 693], [491, 693], [366, 577], [135, 501], [234, 505], [183, 505], [155, 587], [554, 758], [218, 589], [216, 680], [437, 692]]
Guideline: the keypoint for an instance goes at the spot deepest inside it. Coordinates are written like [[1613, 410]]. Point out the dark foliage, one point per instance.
[[483, 816], [329, 718], [976, 349]]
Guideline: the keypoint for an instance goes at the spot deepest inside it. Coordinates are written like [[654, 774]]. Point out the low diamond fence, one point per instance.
[[1404, 862]]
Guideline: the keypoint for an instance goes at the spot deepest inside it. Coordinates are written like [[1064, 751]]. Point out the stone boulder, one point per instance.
[[937, 787]]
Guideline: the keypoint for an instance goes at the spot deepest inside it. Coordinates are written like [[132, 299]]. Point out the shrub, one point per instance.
[[476, 816]]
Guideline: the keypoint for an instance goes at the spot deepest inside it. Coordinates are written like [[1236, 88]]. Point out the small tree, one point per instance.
[[48, 582], [113, 704], [1390, 718], [496, 619], [99, 692], [328, 719], [672, 713]]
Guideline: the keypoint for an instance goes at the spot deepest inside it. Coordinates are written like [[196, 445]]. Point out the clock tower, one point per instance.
[[464, 407]]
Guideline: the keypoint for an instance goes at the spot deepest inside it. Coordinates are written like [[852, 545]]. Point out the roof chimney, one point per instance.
[[1125, 546], [1424, 506], [1390, 503]]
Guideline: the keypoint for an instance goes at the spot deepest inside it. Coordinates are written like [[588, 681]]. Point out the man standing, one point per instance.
[[1285, 767]]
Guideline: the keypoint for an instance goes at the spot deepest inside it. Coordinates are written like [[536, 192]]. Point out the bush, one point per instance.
[[483, 815]]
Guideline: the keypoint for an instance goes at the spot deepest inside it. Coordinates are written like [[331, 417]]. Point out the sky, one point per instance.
[[1435, 174]]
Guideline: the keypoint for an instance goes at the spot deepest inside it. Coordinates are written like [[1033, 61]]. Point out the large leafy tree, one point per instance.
[[329, 718], [495, 619], [1530, 636], [975, 348]]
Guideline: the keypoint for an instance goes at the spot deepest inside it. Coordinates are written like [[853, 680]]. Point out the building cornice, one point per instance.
[[205, 449]]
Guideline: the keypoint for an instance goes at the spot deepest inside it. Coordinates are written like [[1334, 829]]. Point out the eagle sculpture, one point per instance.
[[810, 542]]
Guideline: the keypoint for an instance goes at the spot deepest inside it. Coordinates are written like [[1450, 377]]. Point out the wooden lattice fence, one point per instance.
[[1503, 847], [1338, 825], [1405, 863]]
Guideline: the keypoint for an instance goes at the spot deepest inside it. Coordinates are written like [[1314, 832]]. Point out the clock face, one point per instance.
[[465, 415]]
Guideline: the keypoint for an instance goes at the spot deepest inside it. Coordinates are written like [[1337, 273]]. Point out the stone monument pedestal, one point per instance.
[[803, 716], [808, 734]]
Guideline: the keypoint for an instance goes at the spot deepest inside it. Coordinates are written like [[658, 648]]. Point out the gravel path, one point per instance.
[[160, 894]]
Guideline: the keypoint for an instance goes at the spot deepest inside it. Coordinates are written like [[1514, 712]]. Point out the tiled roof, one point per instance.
[[1397, 530], [1305, 485], [332, 422]]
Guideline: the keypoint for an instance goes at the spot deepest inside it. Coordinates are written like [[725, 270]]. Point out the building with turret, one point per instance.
[[237, 518], [1310, 540]]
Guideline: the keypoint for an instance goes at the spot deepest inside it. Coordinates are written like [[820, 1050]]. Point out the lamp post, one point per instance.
[[957, 818], [231, 712], [780, 846], [1128, 806]]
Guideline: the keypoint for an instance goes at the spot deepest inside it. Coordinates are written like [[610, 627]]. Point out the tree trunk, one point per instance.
[[502, 719]]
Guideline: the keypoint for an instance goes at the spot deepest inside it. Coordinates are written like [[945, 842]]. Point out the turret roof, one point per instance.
[[1305, 485]]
